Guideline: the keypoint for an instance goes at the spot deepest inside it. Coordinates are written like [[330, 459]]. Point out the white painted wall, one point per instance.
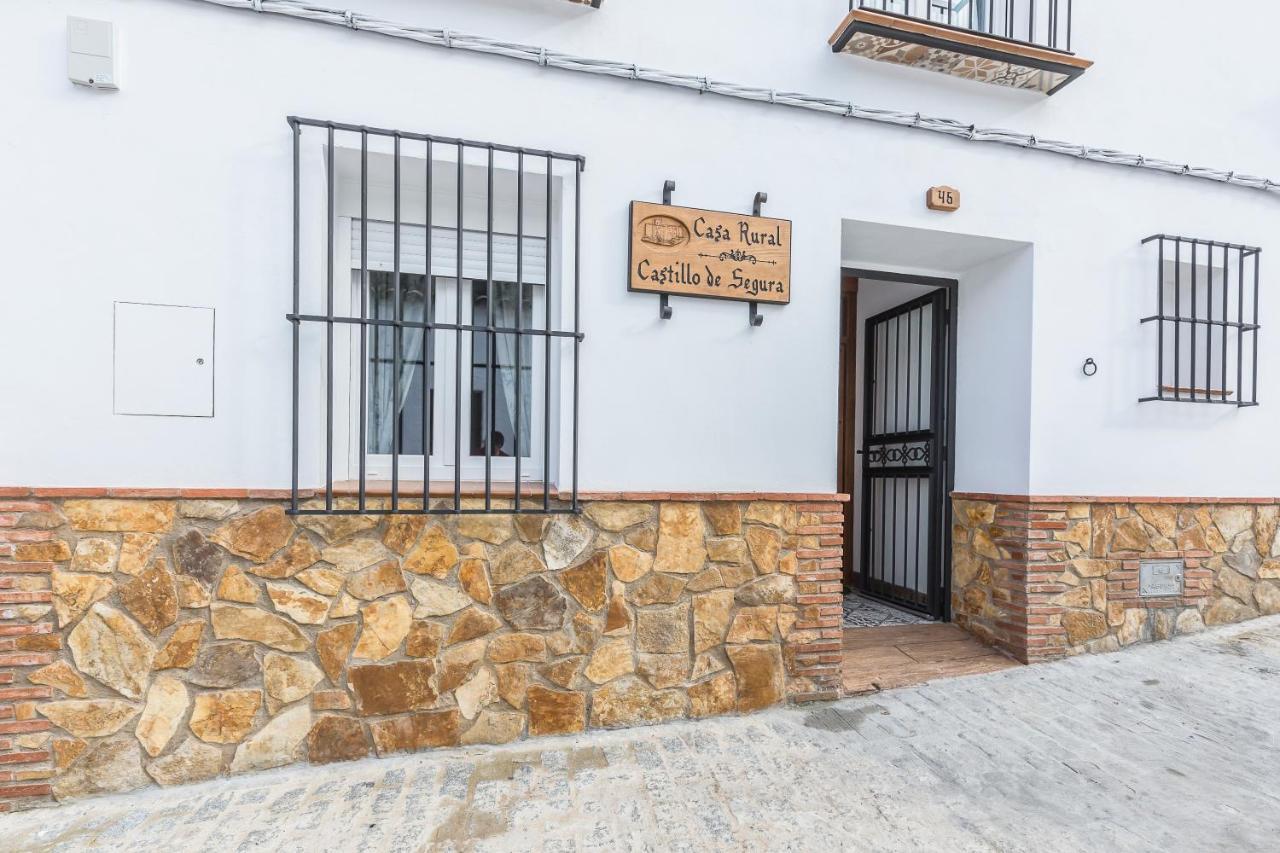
[[176, 189]]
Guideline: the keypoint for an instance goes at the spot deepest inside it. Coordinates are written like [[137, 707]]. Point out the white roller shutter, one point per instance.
[[444, 252]]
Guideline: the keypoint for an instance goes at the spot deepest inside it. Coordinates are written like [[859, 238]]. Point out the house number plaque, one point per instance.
[[946, 199], [684, 251]]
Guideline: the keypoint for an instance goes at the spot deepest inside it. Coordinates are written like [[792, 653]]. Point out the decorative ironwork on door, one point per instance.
[[904, 440]]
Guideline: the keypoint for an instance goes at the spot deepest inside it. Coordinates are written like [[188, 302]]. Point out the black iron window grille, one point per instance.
[[1043, 23], [1206, 320], [437, 343]]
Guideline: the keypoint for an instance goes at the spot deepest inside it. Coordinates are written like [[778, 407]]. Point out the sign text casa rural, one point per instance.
[[690, 252]]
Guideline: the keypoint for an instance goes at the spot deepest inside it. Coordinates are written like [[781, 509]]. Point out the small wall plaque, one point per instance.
[[946, 199], [1161, 578]]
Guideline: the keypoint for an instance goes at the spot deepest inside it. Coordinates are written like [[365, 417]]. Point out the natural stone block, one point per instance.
[[256, 536], [305, 608], [276, 744], [224, 665], [629, 702], [318, 579], [334, 738], [555, 712], [300, 555], [94, 555], [343, 607], [494, 529], [708, 578], [418, 731], [617, 619], [191, 762], [89, 717], [192, 595], [658, 588], [1267, 597], [393, 688], [532, 528], [403, 532], [337, 528], [103, 515], [288, 679], [715, 696], [60, 676], [629, 564], [514, 564], [66, 751], [232, 622], [235, 586], [208, 510], [620, 515], [494, 727], [725, 518], [333, 647], [330, 700], [681, 535], [707, 663], [610, 660], [1190, 622], [135, 552], [356, 555], [194, 556], [437, 599], [167, 702], [644, 538], [663, 631], [564, 672], [73, 594], [225, 716], [532, 604], [507, 648], [425, 640], [730, 550], [108, 767], [712, 612], [108, 646], [472, 623], [477, 692], [386, 624], [753, 624], [152, 597], [765, 545], [771, 589], [1083, 625], [663, 671], [459, 663], [587, 582], [1224, 611], [513, 683], [475, 580], [758, 670], [567, 538], [435, 555]]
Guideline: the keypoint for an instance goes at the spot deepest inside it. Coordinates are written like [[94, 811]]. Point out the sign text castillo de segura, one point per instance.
[[690, 252]]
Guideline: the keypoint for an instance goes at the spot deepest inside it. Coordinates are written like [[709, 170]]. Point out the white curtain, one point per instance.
[[389, 392], [506, 299]]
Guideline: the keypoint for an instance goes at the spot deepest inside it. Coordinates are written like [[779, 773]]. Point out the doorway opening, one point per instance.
[[895, 460], [897, 429]]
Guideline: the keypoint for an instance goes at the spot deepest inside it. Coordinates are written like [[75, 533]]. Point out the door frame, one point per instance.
[[951, 287]]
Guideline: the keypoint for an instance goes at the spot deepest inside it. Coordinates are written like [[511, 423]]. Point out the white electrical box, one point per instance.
[[91, 53], [163, 360]]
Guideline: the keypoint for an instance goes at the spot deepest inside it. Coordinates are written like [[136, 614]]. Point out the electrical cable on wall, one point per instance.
[[627, 70]]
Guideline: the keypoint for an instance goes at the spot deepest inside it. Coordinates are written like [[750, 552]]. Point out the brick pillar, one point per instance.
[[813, 648], [27, 640]]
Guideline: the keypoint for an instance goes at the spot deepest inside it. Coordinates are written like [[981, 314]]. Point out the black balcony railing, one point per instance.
[[1043, 23]]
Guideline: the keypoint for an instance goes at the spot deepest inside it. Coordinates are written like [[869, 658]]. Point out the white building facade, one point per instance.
[[239, 392]]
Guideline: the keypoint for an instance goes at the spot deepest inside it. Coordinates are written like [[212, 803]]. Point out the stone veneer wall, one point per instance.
[[1045, 577], [173, 637]]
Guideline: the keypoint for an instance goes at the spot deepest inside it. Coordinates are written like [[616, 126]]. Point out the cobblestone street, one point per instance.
[[1169, 746]]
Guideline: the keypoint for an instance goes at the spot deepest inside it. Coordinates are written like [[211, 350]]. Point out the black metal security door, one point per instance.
[[904, 482]]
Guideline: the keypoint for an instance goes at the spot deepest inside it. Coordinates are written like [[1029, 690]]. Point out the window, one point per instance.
[[1206, 321], [434, 364]]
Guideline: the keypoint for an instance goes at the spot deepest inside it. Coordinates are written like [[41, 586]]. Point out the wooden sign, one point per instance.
[[946, 199], [690, 252]]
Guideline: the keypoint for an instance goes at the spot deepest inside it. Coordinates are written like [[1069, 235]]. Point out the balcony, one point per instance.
[[1022, 44]]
